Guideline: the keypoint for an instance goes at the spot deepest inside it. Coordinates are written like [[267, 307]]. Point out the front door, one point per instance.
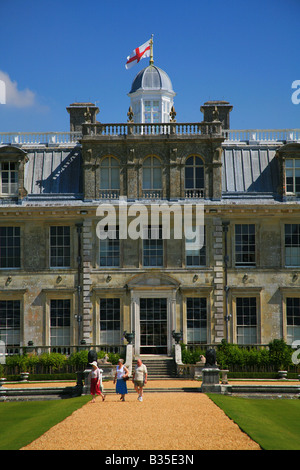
[[153, 326]]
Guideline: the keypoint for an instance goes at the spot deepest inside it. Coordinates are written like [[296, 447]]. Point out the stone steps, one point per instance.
[[160, 368]]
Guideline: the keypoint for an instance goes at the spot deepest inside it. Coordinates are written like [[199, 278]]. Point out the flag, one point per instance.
[[137, 54]]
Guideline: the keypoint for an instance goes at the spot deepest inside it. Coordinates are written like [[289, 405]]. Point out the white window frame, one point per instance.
[[12, 187]]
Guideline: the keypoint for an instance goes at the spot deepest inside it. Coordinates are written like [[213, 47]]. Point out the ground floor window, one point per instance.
[[10, 322], [153, 325], [246, 320], [60, 314], [196, 313], [110, 324], [293, 319]]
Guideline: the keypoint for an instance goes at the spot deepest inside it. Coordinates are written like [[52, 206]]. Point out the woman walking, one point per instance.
[[96, 381], [121, 376]]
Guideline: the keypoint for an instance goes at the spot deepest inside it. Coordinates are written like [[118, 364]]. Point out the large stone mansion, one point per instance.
[[61, 285]]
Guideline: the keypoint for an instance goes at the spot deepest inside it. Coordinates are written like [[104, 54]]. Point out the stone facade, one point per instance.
[[37, 283]]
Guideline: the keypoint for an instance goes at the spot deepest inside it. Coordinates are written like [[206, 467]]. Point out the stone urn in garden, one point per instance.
[[24, 376], [282, 374], [2, 381]]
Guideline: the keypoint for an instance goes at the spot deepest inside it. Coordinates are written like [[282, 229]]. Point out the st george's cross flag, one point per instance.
[[137, 54]]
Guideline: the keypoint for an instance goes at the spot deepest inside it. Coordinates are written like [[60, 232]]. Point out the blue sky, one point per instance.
[[60, 51]]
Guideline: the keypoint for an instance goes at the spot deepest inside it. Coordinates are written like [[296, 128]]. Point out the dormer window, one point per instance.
[[12, 168], [289, 170], [8, 179], [292, 175]]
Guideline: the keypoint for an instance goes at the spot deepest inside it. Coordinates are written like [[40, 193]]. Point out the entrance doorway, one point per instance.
[[153, 326]]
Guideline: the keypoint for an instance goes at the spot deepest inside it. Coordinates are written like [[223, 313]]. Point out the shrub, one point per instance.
[[280, 354], [53, 361]]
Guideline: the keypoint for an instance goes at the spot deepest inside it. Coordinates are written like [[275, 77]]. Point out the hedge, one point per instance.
[[49, 363], [277, 356]]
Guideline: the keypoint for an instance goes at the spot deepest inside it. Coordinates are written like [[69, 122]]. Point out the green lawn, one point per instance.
[[273, 423], [23, 422]]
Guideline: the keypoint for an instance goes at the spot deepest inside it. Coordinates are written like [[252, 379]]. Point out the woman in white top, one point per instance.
[[96, 381], [121, 376]]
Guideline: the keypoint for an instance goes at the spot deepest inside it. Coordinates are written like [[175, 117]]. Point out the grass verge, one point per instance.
[[23, 422], [272, 423]]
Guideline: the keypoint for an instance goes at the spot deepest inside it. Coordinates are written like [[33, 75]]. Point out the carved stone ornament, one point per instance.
[[130, 115]]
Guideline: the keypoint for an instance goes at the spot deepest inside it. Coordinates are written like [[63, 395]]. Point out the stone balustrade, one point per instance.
[[203, 129]]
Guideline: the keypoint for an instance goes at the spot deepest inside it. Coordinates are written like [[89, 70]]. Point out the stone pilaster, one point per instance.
[[86, 282], [218, 281]]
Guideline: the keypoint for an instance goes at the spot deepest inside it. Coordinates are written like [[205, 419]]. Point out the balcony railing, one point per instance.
[[194, 193], [109, 193], [152, 194], [135, 129], [261, 135], [132, 129], [39, 138]]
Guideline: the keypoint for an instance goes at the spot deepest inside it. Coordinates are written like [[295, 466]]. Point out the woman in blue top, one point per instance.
[[121, 374]]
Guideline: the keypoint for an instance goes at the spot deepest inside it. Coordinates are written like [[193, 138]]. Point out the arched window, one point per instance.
[[194, 177], [152, 177], [109, 178]]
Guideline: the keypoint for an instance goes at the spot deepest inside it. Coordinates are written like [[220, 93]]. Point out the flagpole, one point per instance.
[[151, 51]]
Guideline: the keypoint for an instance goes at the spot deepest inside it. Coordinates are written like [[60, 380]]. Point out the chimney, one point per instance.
[[223, 108], [81, 113]]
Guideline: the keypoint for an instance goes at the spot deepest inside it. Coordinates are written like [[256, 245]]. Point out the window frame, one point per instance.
[[152, 190], [109, 191], [286, 265], [152, 246], [115, 244], [58, 328], [188, 298], [242, 264], [18, 335], [14, 247], [203, 255], [64, 266], [194, 191], [247, 292], [10, 171], [293, 169], [115, 331]]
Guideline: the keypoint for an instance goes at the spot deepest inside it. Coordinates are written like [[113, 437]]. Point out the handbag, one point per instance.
[[125, 377]]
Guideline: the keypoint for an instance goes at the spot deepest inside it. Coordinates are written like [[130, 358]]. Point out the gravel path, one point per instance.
[[163, 421]]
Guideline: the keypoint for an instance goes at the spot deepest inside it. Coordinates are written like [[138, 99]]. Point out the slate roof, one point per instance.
[[250, 170], [247, 172], [53, 171]]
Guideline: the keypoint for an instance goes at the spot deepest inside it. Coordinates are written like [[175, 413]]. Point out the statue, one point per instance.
[[104, 360], [210, 358]]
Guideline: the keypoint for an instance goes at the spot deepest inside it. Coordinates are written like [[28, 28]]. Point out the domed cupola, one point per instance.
[[151, 96]]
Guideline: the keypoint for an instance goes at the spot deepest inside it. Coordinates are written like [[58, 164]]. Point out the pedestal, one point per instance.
[[86, 389], [211, 380], [129, 358]]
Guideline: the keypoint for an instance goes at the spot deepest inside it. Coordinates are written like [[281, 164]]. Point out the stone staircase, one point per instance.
[[159, 367]]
